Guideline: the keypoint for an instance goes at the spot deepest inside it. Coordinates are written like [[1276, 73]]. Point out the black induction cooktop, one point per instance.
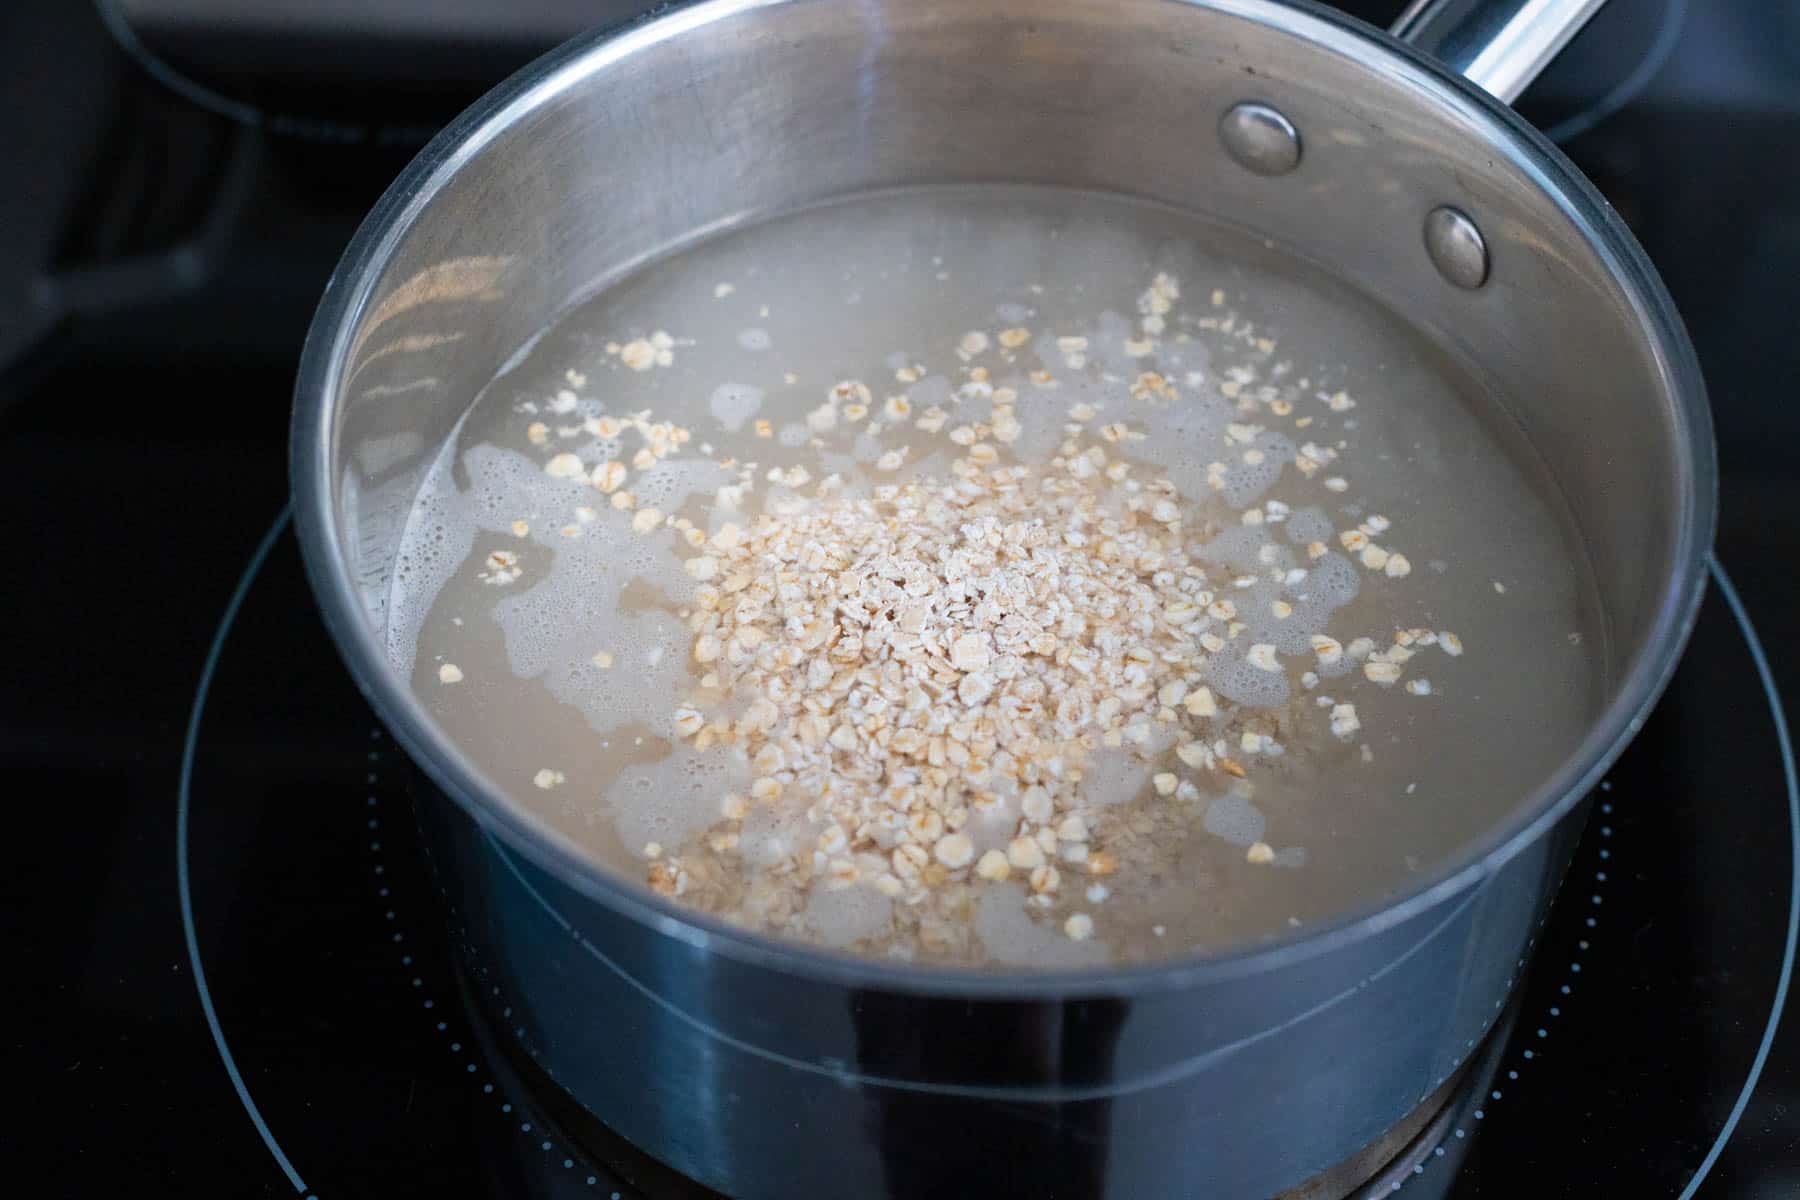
[[226, 973]]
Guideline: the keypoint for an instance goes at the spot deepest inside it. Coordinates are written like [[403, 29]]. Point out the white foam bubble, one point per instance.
[[1174, 433], [598, 450], [1236, 548], [933, 389], [651, 648], [841, 916], [1332, 582], [773, 832], [1004, 925], [1041, 415], [992, 826], [1309, 524], [866, 448], [1289, 635], [734, 403], [755, 340], [1106, 346], [674, 799], [1115, 776], [673, 481], [437, 538], [1242, 683], [1247, 480], [1235, 819]]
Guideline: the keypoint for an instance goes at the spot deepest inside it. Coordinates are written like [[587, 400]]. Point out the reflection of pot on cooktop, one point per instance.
[[339, 1044]]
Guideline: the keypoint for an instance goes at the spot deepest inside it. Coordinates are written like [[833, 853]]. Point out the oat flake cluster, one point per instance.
[[926, 670], [932, 666]]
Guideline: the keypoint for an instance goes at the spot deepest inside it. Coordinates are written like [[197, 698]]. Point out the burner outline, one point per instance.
[[190, 745], [259, 555], [1766, 675]]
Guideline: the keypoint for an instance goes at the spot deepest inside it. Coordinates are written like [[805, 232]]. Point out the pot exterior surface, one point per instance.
[[763, 1084], [767, 1069]]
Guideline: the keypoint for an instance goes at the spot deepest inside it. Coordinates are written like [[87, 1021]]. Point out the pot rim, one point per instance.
[[348, 292]]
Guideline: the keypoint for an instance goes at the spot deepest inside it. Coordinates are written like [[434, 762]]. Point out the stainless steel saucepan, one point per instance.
[[765, 1069]]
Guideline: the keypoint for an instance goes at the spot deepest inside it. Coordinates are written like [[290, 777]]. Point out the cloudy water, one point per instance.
[[998, 575]]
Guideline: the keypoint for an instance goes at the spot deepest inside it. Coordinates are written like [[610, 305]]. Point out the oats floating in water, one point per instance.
[[998, 587]]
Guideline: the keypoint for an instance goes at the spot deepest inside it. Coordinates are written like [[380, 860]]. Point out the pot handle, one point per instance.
[[1499, 45]]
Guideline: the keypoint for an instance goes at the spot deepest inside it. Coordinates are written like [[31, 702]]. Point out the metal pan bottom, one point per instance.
[[1376, 1170]]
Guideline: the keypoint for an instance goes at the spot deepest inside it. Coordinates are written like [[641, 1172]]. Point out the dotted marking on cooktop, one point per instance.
[[1541, 1032], [456, 1048]]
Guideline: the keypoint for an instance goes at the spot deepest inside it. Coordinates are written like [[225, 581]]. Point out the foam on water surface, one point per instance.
[[576, 656]]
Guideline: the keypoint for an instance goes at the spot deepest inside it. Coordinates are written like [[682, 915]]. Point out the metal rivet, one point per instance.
[[1260, 139], [1456, 247]]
